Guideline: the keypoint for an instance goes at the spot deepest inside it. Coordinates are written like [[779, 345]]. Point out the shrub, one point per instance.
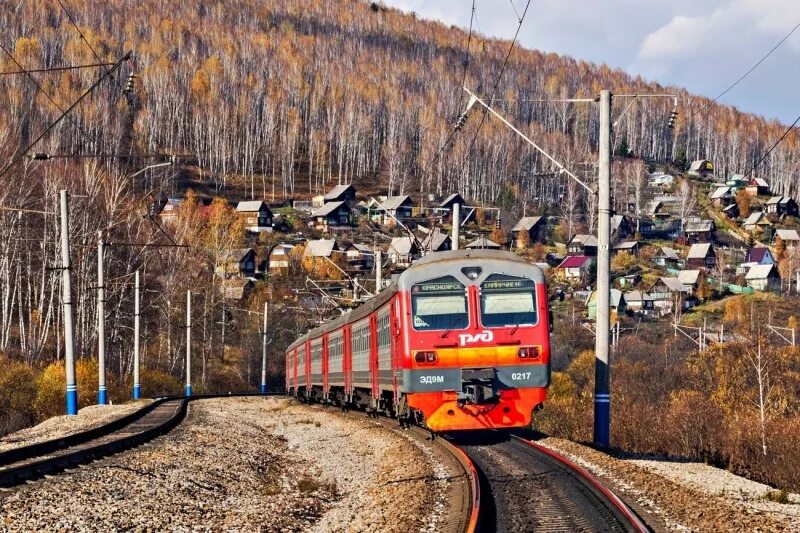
[[17, 396]]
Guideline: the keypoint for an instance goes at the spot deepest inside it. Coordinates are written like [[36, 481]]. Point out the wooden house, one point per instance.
[[279, 258], [757, 187], [535, 227], [237, 289], [331, 214], [690, 279], [395, 208], [582, 244], [763, 278], [403, 251], [445, 209], [666, 257], [616, 303], [621, 227], [731, 211], [436, 241], [701, 168], [721, 196], [256, 214], [575, 267], [701, 255], [632, 247], [341, 193], [789, 237], [756, 220], [359, 256], [239, 262], [483, 243], [639, 302], [780, 206], [695, 230], [665, 291]]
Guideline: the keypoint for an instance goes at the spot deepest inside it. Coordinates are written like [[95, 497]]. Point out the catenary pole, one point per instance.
[[264, 354], [102, 393], [66, 299], [456, 225], [188, 343], [378, 271], [602, 396], [137, 287]]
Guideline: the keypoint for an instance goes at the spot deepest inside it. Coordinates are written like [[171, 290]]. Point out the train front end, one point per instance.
[[477, 340]]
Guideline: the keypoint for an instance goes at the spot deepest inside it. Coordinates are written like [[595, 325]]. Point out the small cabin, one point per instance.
[[763, 278], [331, 214], [532, 229], [341, 193], [396, 208], [757, 187], [582, 244], [701, 255], [256, 214]]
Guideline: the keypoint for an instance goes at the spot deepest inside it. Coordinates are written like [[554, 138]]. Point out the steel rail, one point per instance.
[[34, 461]]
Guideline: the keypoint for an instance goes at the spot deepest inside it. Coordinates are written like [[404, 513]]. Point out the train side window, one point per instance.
[[508, 301], [439, 304]]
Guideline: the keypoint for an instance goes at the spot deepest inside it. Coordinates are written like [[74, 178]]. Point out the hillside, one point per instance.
[[283, 98]]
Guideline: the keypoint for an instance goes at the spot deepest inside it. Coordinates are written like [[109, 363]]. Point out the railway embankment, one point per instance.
[[246, 463], [689, 496], [62, 426]]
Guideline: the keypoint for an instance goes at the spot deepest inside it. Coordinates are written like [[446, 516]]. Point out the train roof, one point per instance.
[[422, 268]]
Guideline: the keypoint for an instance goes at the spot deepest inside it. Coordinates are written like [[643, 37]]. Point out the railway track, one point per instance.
[[526, 487], [26, 463]]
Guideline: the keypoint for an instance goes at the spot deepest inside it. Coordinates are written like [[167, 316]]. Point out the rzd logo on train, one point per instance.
[[483, 336]]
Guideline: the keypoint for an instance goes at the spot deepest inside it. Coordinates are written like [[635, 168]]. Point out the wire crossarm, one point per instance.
[[562, 170]]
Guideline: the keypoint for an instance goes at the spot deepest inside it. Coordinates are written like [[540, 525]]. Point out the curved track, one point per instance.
[[19, 465], [529, 488]]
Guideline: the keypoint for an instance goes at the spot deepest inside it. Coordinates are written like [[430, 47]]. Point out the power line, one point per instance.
[[743, 76], [785, 134], [500, 76], [41, 89], [97, 57], [60, 118], [53, 69]]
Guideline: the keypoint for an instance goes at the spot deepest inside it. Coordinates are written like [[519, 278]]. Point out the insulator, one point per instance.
[[131, 81], [40, 157]]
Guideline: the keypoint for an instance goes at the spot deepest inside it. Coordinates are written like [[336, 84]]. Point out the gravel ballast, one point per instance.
[[245, 464], [685, 496], [63, 426]]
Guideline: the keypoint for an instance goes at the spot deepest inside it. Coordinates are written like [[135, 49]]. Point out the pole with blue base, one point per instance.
[[66, 299], [102, 393], [188, 343], [263, 388], [136, 323]]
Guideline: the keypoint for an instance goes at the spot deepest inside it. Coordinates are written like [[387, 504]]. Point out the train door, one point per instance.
[[394, 339], [347, 362], [373, 357], [326, 385]]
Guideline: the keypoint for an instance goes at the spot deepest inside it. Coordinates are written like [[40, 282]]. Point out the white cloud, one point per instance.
[[676, 38]]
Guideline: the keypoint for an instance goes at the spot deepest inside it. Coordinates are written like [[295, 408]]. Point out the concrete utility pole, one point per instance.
[[263, 389], [136, 325], [602, 396], [188, 343], [456, 225], [378, 271], [66, 299], [102, 394]]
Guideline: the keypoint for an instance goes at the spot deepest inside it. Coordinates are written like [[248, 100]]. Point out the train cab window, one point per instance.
[[507, 301], [439, 304]]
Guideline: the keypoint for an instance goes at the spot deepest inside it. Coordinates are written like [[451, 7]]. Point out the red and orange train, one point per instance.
[[460, 341]]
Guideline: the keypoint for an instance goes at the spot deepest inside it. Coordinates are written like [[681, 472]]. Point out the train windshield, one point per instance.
[[440, 303], [507, 301]]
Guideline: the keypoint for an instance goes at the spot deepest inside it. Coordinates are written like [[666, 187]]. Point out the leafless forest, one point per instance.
[[273, 100]]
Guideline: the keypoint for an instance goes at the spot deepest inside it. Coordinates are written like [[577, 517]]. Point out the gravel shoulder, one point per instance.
[[685, 496], [63, 426], [246, 464]]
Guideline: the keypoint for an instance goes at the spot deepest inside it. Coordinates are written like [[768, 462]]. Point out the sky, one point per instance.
[[702, 45]]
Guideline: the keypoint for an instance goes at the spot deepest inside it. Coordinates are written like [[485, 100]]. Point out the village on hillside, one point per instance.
[[693, 237]]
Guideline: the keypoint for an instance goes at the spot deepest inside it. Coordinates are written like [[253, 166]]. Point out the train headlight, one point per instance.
[[528, 352], [425, 357]]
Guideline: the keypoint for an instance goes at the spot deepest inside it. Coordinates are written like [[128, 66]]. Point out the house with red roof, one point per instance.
[[575, 267]]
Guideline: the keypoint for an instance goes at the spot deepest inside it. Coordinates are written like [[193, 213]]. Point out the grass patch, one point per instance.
[[777, 496], [308, 484]]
